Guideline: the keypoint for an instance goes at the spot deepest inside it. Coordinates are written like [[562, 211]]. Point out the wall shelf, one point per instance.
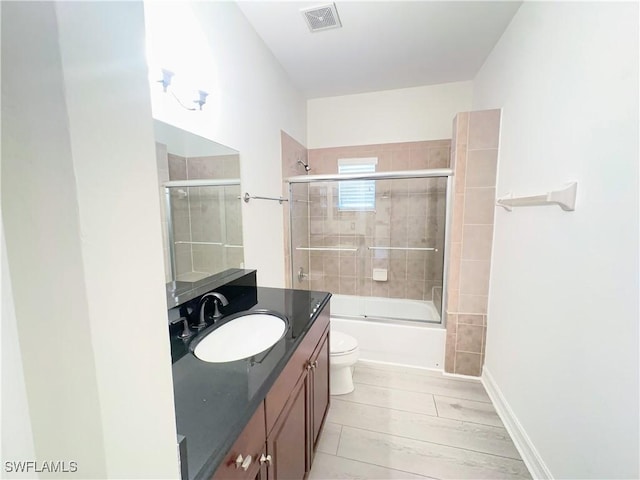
[[565, 198]]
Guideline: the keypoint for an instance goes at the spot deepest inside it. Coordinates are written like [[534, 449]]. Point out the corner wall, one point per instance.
[[82, 225], [562, 339]]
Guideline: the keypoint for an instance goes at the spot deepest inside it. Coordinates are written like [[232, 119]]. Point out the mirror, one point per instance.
[[200, 198]]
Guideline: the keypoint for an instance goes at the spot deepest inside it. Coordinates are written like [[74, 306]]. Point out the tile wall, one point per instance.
[[206, 214], [474, 154], [391, 156]]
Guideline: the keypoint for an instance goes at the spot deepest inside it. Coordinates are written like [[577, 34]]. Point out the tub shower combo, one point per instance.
[[377, 241]]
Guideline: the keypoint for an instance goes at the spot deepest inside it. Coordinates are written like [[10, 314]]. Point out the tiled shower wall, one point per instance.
[[474, 159], [391, 156], [292, 151], [408, 213], [197, 218]]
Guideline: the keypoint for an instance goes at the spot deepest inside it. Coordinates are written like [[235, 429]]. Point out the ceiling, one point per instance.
[[382, 45]]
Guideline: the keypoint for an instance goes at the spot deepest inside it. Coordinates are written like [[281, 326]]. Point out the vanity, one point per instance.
[[260, 416]]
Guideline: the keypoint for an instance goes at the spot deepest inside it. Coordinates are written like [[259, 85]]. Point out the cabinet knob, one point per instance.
[[314, 364], [243, 463], [265, 459], [246, 463]]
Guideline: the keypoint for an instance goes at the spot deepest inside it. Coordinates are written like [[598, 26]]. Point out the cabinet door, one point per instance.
[[250, 443], [320, 389], [286, 442]]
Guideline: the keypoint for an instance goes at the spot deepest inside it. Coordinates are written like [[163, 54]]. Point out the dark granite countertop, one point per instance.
[[214, 401]]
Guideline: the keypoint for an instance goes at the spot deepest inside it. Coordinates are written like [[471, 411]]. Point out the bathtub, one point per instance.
[[384, 308], [392, 340]]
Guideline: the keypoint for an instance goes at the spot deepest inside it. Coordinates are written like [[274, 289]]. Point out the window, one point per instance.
[[357, 194]]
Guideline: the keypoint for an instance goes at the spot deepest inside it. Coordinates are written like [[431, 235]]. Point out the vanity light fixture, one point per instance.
[[202, 98], [166, 79], [167, 76]]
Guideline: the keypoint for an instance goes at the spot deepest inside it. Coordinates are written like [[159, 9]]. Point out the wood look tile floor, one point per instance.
[[404, 423]]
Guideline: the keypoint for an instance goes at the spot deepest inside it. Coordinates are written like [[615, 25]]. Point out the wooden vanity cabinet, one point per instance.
[[292, 415]]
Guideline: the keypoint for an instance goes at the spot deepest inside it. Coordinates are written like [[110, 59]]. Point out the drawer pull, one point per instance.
[[314, 364], [265, 459], [309, 366], [239, 461], [246, 463]]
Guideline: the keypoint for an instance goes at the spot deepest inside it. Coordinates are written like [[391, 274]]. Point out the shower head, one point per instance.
[[305, 165]]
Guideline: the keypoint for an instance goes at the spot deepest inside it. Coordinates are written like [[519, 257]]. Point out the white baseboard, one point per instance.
[[459, 376], [530, 456]]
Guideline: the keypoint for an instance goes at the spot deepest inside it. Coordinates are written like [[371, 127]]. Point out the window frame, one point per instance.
[[367, 188]]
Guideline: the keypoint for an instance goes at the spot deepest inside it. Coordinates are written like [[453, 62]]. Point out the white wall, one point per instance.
[[251, 99], [82, 226], [390, 116], [562, 345], [17, 440]]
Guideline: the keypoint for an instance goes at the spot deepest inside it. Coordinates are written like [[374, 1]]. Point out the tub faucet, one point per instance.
[[218, 300]]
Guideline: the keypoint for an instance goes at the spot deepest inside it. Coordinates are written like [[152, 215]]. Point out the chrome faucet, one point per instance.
[[186, 332], [218, 300]]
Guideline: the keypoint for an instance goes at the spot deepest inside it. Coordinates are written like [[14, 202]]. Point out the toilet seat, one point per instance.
[[341, 344]]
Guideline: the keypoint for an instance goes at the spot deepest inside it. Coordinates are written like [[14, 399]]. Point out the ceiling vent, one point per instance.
[[322, 18]]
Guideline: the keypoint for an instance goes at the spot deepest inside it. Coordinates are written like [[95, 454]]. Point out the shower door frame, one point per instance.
[[392, 175]]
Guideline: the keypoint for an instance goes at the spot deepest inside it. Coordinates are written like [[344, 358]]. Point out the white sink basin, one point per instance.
[[242, 337]]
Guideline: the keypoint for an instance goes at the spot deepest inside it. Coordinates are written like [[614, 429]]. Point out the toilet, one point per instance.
[[343, 354]]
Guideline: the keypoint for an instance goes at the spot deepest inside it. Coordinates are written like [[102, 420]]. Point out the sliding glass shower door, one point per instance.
[[377, 242]]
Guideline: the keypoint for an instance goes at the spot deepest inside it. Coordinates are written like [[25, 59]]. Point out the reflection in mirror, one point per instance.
[[200, 190]]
